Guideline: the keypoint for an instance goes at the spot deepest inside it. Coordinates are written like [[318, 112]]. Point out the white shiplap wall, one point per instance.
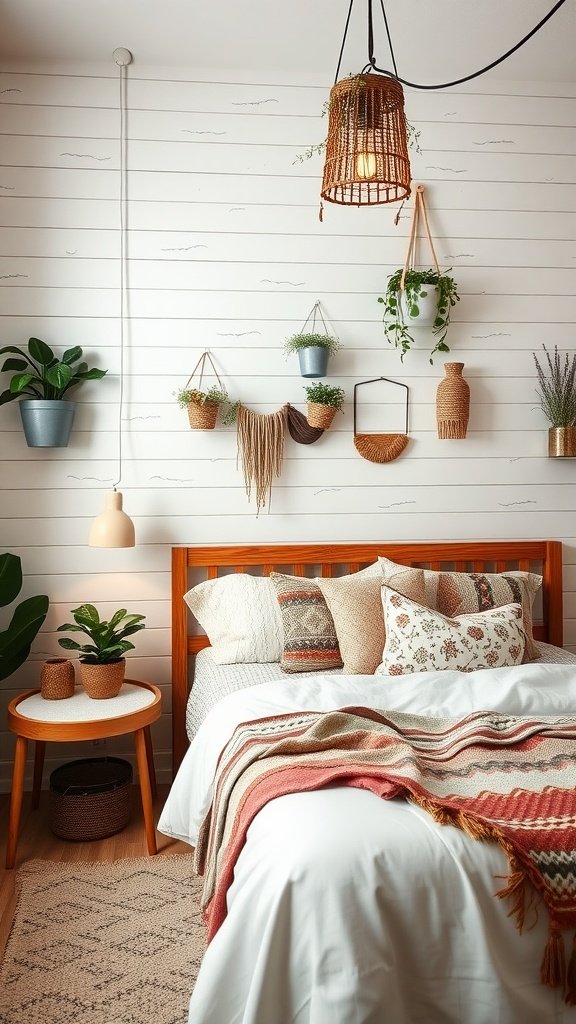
[[226, 252]]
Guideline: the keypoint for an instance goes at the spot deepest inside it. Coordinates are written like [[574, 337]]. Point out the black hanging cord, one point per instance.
[[457, 81], [389, 41], [343, 41]]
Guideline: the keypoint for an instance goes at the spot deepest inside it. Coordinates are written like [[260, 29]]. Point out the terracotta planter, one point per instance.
[[319, 415], [57, 679], [102, 681], [562, 442]]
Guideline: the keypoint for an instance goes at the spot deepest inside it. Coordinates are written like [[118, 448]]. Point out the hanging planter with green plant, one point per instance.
[[203, 404], [313, 347], [324, 401], [418, 298]]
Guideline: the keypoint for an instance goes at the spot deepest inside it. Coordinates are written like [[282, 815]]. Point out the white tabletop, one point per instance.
[[82, 708]]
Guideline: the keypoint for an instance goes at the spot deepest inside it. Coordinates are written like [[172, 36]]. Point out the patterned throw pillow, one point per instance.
[[310, 641], [462, 593], [355, 604], [421, 640]]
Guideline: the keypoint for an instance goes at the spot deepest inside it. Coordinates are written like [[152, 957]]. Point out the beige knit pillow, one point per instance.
[[355, 604]]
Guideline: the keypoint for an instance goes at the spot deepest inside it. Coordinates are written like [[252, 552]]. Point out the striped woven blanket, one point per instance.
[[500, 778]]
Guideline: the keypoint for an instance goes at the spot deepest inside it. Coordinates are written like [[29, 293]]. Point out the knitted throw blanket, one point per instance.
[[500, 778]]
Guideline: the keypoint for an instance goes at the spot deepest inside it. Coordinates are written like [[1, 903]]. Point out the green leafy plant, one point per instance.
[[299, 341], [108, 639], [214, 395], [325, 394], [27, 618], [415, 288], [40, 374], [557, 392]]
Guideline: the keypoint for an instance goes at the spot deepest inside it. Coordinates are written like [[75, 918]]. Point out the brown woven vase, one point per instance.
[[102, 681], [319, 415], [452, 403], [202, 415], [57, 679]]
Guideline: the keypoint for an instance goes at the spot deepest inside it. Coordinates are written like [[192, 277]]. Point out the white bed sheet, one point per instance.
[[347, 909], [212, 681]]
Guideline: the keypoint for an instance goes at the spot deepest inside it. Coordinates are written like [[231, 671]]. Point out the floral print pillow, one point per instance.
[[421, 640]]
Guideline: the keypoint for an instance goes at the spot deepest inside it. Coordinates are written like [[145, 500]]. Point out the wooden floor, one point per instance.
[[37, 841]]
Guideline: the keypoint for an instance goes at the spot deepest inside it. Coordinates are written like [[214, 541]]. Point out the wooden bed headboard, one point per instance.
[[544, 557]]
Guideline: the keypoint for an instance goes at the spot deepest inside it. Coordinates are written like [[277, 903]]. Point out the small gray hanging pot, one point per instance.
[[47, 422], [313, 360]]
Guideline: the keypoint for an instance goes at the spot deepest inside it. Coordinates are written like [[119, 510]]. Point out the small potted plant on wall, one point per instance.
[[102, 662], [42, 382], [324, 401], [424, 298], [557, 380], [314, 350], [202, 406]]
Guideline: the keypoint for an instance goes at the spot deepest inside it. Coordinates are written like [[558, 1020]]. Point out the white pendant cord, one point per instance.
[[123, 175]]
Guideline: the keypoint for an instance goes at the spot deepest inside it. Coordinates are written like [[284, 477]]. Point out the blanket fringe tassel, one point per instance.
[[570, 996], [553, 968], [515, 889]]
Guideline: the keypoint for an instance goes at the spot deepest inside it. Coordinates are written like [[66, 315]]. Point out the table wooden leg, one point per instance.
[[145, 790], [16, 800], [38, 769], [150, 759]]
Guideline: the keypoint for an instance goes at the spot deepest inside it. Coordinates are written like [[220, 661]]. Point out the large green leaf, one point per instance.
[[59, 375], [68, 644], [7, 396], [26, 621], [20, 381], [10, 578], [93, 374], [72, 355], [15, 364], [40, 351], [86, 615], [9, 665]]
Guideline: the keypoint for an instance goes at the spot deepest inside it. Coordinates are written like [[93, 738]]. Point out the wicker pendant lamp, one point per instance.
[[366, 148]]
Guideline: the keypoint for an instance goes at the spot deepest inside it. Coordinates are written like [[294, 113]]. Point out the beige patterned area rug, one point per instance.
[[108, 943]]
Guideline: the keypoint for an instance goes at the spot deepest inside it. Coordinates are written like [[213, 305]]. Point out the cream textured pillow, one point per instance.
[[421, 640], [310, 640], [355, 604], [240, 616], [462, 593]]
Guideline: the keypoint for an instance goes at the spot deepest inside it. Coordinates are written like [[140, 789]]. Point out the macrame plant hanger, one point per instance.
[[203, 415], [419, 210], [380, 447]]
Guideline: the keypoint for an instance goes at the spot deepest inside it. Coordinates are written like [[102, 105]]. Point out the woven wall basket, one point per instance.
[[202, 415], [377, 447], [320, 415], [366, 148]]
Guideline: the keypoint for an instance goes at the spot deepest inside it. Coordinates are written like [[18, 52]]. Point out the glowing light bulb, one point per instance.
[[366, 165]]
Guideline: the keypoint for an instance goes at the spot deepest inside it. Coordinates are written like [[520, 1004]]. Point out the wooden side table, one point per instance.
[[80, 717]]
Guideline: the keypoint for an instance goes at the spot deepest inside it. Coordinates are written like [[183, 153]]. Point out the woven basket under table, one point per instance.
[[91, 798]]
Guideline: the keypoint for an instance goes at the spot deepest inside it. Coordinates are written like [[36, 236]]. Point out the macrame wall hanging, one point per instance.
[[299, 428], [261, 446], [380, 447]]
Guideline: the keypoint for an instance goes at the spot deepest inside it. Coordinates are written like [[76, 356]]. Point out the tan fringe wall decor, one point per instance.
[[261, 446], [452, 403]]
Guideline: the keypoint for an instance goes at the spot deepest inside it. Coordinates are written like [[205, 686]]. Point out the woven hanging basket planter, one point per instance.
[[102, 681], [452, 403], [319, 415], [377, 447], [367, 147], [202, 415]]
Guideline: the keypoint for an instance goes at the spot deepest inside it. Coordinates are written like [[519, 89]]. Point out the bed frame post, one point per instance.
[[179, 655], [553, 594]]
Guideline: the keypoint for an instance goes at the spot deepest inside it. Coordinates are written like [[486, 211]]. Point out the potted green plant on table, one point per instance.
[[202, 406], [42, 382], [557, 380], [324, 401], [418, 298], [27, 617], [102, 662]]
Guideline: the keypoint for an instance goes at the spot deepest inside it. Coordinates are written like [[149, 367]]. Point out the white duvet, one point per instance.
[[348, 909]]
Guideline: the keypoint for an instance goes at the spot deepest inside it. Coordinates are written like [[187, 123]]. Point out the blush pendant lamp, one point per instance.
[[113, 528]]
